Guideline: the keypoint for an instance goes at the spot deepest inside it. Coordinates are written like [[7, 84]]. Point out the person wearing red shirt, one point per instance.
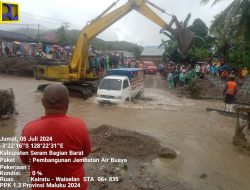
[[56, 144]]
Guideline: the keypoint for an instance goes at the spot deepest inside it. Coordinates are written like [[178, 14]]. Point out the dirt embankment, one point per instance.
[[22, 66], [200, 88], [138, 149], [203, 89], [124, 143]]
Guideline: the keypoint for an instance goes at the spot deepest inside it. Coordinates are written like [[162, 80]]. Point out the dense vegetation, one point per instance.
[[102, 45], [228, 36]]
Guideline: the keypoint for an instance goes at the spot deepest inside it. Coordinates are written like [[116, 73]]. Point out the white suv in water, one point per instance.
[[114, 89], [118, 89]]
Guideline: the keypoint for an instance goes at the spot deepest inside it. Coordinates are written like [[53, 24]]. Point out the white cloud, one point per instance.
[[133, 27]]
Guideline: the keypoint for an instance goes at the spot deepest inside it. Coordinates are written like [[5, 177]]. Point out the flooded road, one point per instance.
[[202, 140]]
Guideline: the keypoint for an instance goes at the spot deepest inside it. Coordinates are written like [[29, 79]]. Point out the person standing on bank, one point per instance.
[[170, 79], [229, 93], [62, 139]]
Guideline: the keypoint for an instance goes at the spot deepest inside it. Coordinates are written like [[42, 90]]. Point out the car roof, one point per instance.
[[126, 69], [116, 77]]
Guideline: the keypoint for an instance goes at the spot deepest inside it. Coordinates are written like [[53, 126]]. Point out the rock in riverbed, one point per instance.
[[7, 102], [167, 153]]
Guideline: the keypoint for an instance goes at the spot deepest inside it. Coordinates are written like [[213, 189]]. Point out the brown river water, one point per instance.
[[202, 140]]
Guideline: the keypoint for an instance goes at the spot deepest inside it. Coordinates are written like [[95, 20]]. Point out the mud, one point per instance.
[[137, 150], [124, 143], [206, 158], [202, 89], [243, 98], [241, 142]]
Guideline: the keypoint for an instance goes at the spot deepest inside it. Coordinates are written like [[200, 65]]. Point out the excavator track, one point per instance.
[[84, 90]]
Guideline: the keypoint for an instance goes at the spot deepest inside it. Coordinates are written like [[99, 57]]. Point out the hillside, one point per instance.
[[97, 44]]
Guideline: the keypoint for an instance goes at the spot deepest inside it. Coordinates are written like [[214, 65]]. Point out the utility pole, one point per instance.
[[38, 33], [27, 28], [66, 25]]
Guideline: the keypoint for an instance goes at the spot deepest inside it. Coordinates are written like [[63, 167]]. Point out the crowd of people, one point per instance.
[[36, 50], [102, 62], [179, 74], [220, 70]]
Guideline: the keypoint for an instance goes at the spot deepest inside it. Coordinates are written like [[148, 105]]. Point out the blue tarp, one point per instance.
[[129, 72]]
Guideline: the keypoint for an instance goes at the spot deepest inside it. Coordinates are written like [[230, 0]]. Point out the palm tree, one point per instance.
[[231, 23]]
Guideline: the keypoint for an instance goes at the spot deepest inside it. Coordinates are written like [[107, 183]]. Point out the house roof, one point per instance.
[[50, 37], [152, 51], [13, 36]]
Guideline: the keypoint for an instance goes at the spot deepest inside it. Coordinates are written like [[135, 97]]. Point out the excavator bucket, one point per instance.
[[184, 38], [181, 34]]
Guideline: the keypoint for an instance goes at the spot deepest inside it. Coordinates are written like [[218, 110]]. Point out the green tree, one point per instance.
[[199, 28], [198, 54], [63, 38], [117, 46], [239, 54], [170, 51], [202, 44], [233, 23], [200, 33]]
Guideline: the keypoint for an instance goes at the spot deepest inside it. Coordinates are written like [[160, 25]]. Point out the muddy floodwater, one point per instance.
[[203, 140]]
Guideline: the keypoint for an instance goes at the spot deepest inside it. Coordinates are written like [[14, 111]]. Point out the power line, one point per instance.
[[18, 24], [43, 20], [42, 17], [66, 25], [49, 20], [27, 26]]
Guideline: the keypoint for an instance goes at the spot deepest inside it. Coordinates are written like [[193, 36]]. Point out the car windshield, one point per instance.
[[111, 84]]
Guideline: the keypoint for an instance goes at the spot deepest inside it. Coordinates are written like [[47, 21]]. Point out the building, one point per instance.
[[13, 41], [152, 53], [50, 38]]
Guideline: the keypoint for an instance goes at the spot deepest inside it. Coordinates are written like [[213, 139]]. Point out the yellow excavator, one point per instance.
[[74, 75]]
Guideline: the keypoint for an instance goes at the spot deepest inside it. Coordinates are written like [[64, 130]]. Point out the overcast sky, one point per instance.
[[133, 27]]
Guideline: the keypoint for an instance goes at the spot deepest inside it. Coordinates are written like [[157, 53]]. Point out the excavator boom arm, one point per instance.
[[80, 57]]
